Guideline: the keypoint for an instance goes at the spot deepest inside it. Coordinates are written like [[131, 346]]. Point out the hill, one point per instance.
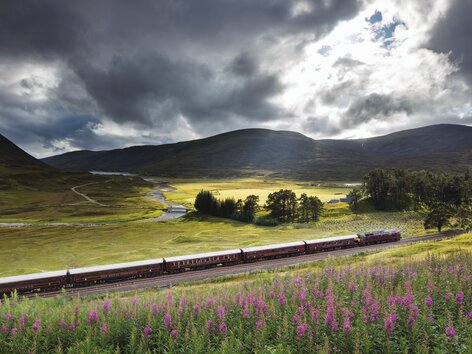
[[285, 154]]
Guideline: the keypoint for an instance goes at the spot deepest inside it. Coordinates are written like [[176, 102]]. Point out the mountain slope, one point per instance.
[[284, 153]]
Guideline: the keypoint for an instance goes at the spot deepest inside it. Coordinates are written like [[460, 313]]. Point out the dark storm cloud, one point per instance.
[[147, 63], [453, 34], [375, 107]]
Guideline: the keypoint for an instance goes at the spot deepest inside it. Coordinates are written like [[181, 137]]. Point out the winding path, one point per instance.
[[85, 196]]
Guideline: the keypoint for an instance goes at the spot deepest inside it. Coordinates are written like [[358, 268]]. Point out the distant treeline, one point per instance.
[[283, 206], [441, 195]]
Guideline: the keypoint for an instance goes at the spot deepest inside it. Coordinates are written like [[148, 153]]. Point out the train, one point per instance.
[[86, 276]]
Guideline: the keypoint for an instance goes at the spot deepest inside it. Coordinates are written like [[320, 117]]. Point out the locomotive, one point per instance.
[[79, 277]]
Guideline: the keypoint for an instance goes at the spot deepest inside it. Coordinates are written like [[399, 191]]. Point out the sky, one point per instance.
[[108, 74]]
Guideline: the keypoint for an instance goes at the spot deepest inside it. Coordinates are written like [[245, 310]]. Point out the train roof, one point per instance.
[[202, 255], [331, 239], [33, 276], [278, 245], [115, 266], [378, 233]]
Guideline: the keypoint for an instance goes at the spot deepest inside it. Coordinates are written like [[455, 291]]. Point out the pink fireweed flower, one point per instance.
[[104, 328], [209, 325], [282, 299], [450, 332], [72, 327], [134, 300], [469, 315], [13, 331], [347, 324], [223, 329], [389, 323], [155, 309], [63, 324], [448, 296], [195, 309], [106, 306], [147, 332], [301, 330], [220, 311], [259, 324], [428, 301], [23, 320], [36, 325], [8, 316], [459, 297], [4, 328], [410, 321], [170, 298], [174, 333], [168, 320], [92, 317], [245, 312], [272, 294], [295, 320]]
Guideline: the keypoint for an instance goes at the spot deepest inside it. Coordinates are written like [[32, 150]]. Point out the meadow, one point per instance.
[[42, 248], [403, 300]]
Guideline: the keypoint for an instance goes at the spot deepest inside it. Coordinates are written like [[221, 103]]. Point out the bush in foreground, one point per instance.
[[423, 306]]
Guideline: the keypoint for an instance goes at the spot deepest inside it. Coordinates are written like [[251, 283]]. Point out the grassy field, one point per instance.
[[40, 248], [54, 201], [186, 190]]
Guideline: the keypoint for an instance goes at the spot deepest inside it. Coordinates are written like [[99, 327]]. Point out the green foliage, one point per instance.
[[285, 207]]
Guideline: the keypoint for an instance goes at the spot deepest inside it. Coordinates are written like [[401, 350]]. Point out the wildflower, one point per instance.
[[450, 332], [4, 328], [195, 309], [106, 306], [155, 309], [347, 324], [104, 328], [259, 324], [23, 320], [36, 325], [134, 300], [220, 311], [13, 331], [147, 332], [459, 297], [169, 297], [209, 325], [8, 316], [389, 323], [63, 324], [469, 315], [168, 320], [428, 301], [282, 299], [174, 333], [272, 294], [301, 330], [448, 296], [223, 328], [72, 327], [410, 321], [295, 320], [92, 317]]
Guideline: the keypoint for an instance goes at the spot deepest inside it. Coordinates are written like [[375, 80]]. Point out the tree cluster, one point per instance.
[[207, 203], [285, 207], [441, 195]]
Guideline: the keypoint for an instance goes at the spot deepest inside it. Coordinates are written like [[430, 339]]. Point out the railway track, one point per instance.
[[169, 280]]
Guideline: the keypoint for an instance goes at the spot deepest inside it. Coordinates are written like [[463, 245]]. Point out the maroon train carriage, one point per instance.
[[116, 272], [331, 243], [203, 260], [37, 282], [273, 251], [379, 237]]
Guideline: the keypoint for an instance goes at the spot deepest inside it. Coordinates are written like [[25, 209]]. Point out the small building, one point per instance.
[[333, 201]]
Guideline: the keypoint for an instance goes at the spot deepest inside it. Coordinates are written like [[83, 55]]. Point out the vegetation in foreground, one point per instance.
[[418, 305]]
